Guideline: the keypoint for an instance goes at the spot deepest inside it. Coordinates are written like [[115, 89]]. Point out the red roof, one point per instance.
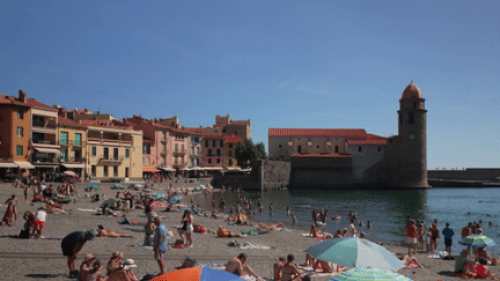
[[147, 140], [367, 142], [29, 102], [276, 132], [103, 124], [375, 137], [69, 122], [231, 138], [333, 155], [193, 130], [411, 91]]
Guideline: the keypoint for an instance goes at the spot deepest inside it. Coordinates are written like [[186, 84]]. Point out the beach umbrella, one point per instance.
[[159, 196], [93, 186], [174, 198], [117, 185], [109, 203], [201, 186], [198, 274], [353, 252], [368, 273], [476, 241], [157, 205], [70, 173]]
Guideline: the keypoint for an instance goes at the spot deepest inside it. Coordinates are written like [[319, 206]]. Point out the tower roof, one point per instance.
[[411, 91]]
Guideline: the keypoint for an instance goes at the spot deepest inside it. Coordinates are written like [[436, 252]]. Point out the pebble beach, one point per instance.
[[42, 259]]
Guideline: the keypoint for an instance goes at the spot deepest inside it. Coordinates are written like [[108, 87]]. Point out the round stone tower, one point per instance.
[[411, 166]]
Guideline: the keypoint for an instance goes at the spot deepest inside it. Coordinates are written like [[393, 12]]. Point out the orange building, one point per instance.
[[15, 121]]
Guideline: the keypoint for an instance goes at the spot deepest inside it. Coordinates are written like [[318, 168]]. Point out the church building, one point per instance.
[[328, 158]]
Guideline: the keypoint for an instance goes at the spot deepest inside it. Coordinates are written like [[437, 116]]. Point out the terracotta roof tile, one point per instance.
[[69, 122], [282, 132], [213, 137], [231, 138]]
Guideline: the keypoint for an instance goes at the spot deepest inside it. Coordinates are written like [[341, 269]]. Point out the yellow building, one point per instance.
[[113, 151], [72, 139]]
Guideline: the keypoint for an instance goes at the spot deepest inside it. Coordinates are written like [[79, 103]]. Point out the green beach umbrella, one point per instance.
[[159, 196], [368, 273], [353, 252], [201, 186], [476, 241]]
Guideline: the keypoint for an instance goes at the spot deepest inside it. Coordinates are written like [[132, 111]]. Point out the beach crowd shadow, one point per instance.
[[40, 276]]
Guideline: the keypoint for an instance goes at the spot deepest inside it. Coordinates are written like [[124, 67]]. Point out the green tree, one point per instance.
[[246, 153]]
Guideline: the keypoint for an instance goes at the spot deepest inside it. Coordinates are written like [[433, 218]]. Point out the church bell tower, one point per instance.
[[411, 166]]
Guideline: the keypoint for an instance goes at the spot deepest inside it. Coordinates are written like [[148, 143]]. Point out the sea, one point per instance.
[[385, 209]]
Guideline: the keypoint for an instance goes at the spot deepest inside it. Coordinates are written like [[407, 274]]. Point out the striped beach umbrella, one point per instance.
[[477, 241], [198, 274], [369, 273]]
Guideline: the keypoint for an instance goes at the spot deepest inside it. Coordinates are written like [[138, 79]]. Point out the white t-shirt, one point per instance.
[[352, 230], [42, 187], [40, 215]]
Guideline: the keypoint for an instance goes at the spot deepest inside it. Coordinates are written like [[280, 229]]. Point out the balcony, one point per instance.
[[110, 141], [40, 142], [44, 159], [179, 152], [71, 143], [40, 123], [73, 159], [115, 159]]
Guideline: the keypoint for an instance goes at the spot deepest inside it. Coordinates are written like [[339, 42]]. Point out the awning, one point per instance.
[[7, 165], [185, 169], [213, 168], [149, 169], [74, 166], [24, 165], [168, 169], [47, 150]]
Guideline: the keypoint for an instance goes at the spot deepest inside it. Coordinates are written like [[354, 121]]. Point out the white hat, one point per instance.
[[128, 264]]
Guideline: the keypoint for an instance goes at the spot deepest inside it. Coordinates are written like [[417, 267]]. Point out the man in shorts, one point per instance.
[[40, 217], [411, 236], [448, 235], [160, 243], [72, 244], [237, 266]]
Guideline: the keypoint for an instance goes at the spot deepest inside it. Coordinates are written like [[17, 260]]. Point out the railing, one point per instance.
[[35, 141], [179, 151], [44, 124], [6, 158], [35, 159], [112, 159], [94, 139], [71, 143]]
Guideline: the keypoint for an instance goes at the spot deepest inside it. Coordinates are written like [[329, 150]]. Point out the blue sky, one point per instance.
[[297, 64]]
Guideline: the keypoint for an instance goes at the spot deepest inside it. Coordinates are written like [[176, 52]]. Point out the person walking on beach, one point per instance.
[[160, 243], [72, 244], [448, 235]]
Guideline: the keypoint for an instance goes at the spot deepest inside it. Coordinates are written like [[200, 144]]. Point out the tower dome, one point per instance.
[[411, 91]]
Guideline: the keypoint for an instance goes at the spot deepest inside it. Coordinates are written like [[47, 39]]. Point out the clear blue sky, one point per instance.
[[298, 64]]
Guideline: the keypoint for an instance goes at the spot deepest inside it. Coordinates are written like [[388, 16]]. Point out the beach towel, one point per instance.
[[246, 246], [144, 246], [254, 232], [282, 229]]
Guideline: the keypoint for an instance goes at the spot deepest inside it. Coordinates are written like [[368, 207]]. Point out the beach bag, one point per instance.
[[495, 261], [25, 233]]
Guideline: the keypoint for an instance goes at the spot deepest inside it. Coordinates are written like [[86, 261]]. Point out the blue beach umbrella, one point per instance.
[[477, 241], [174, 198], [368, 273], [353, 252], [93, 186]]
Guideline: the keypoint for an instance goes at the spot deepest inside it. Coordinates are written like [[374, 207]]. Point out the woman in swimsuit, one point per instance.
[[290, 271], [187, 227]]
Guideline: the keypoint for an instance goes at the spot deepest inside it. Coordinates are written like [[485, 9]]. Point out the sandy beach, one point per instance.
[[42, 259]]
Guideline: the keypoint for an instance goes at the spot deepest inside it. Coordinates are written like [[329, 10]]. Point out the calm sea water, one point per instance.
[[385, 209]]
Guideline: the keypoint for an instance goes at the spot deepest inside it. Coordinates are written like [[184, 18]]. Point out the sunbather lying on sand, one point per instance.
[[201, 229], [271, 226], [101, 232], [224, 233]]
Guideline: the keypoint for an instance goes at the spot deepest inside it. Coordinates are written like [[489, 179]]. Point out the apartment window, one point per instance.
[[176, 147], [411, 118], [197, 162], [106, 153], [63, 138], [231, 145], [20, 132], [206, 143], [209, 152], [115, 153], [218, 160], [197, 151], [218, 152], [336, 149], [105, 168], [146, 161], [379, 149], [230, 153], [163, 161], [192, 162], [78, 140], [20, 114], [64, 155], [230, 162], [164, 148], [192, 150], [126, 172], [360, 149], [19, 150], [163, 136], [115, 171], [147, 149], [209, 161], [94, 171], [78, 155], [221, 143], [127, 153], [182, 148], [94, 151], [213, 143]]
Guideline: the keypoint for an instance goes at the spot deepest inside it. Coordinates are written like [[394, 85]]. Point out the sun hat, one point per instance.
[[117, 255], [91, 233], [128, 264]]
